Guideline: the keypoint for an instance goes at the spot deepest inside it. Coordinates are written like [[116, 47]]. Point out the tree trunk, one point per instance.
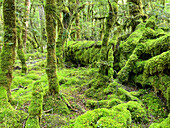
[[26, 18], [20, 51], [113, 10], [135, 7], [50, 10], [8, 50], [78, 23], [42, 24]]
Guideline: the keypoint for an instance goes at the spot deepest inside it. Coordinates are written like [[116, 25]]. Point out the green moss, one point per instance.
[[32, 122], [9, 117], [164, 124], [98, 117], [33, 76], [35, 108], [125, 95], [56, 103], [102, 103], [123, 74], [151, 22], [83, 52], [154, 105], [157, 64], [168, 98], [137, 111]]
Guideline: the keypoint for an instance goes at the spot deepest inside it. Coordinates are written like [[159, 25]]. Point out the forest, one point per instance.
[[84, 63]]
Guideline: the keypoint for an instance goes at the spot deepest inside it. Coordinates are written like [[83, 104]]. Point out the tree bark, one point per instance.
[[8, 50], [26, 19], [50, 11], [42, 24]]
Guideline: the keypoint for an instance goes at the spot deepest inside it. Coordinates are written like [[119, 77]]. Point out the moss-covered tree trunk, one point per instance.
[[8, 50], [20, 51], [113, 9], [42, 24], [78, 23], [26, 16], [50, 10], [135, 7], [61, 35]]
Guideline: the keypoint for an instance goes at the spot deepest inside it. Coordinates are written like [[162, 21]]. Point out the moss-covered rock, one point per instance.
[[101, 117]]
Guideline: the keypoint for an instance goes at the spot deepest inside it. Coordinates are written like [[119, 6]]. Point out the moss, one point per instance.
[[164, 124], [33, 76], [32, 122], [125, 95], [157, 64], [83, 52], [50, 10], [126, 48], [135, 7], [8, 51], [151, 22], [110, 63], [168, 98], [56, 103], [9, 117], [102, 103], [154, 105], [123, 74], [98, 117], [20, 51], [137, 111], [35, 108], [53, 120]]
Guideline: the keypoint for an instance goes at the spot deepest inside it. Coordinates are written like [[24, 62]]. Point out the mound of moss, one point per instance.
[[9, 117]]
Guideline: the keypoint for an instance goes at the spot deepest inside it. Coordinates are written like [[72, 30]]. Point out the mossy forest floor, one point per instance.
[[91, 100]]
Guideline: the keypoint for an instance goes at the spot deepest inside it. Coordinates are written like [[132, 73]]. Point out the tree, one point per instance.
[[111, 19], [50, 10], [8, 51], [26, 17]]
